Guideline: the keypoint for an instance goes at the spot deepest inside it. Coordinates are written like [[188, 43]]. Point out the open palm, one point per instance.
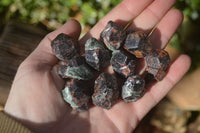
[[35, 97]]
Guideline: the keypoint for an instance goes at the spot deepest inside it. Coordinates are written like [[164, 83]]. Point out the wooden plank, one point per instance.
[[17, 41]]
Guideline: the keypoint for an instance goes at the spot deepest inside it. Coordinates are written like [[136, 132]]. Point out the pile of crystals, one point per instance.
[[86, 82]]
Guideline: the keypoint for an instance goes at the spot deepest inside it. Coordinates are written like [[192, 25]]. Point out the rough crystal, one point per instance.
[[133, 89], [96, 55], [64, 47], [157, 63], [112, 36], [122, 64], [137, 44], [106, 91], [77, 94], [75, 68]]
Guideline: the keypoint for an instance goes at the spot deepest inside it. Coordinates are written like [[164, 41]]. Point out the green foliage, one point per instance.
[[191, 11], [89, 11], [187, 38], [190, 8], [175, 42], [55, 12]]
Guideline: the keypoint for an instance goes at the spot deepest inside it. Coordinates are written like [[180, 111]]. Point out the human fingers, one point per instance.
[[152, 15], [166, 28]]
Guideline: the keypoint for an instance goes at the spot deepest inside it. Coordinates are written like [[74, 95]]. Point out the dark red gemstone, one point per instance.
[[75, 68], [133, 89], [137, 44], [106, 91], [122, 64], [64, 47], [112, 36], [157, 63], [78, 94], [96, 55]]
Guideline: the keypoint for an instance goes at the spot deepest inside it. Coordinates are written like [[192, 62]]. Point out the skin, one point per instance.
[[35, 97]]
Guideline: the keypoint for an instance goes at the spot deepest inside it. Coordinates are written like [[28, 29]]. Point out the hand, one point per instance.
[[35, 97]]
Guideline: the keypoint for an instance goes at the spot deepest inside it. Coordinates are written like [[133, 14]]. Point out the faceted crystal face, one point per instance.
[[122, 64], [96, 55], [137, 44], [75, 68], [112, 36], [77, 94], [64, 47], [133, 89], [106, 91], [157, 63], [98, 59]]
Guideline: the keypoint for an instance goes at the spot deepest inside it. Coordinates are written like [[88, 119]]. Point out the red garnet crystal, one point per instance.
[[75, 68], [64, 47], [123, 64], [106, 91], [157, 63], [112, 36], [133, 89], [137, 44], [77, 94], [96, 55]]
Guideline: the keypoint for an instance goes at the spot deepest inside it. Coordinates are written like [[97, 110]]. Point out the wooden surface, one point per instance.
[[17, 41]]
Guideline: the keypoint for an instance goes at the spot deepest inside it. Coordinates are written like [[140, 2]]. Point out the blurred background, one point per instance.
[[23, 23]]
